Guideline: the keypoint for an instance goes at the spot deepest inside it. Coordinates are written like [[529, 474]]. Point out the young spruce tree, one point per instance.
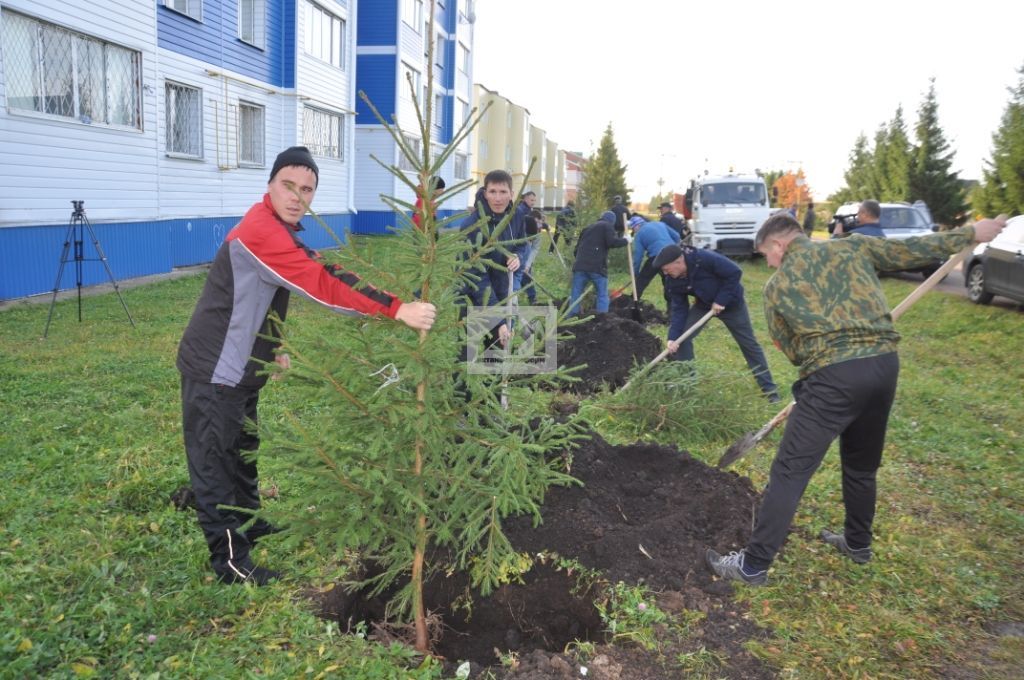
[[387, 456]]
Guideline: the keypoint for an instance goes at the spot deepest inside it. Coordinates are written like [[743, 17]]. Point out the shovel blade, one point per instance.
[[637, 313], [739, 449]]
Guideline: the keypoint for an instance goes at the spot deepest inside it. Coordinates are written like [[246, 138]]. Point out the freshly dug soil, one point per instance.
[[657, 497], [609, 345], [623, 306]]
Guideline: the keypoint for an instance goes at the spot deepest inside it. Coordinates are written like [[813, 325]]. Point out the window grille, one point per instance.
[[323, 132], [55, 71], [184, 116], [251, 127]]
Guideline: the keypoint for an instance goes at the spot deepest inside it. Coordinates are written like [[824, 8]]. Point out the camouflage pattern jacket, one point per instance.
[[825, 305]]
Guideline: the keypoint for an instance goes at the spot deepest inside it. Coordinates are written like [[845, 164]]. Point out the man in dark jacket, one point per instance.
[[669, 218], [591, 265], [714, 282], [261, 261], [868, 215], [621, 215]]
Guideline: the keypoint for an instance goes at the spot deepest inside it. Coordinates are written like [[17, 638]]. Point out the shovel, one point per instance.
[[509, 307], [751, 439], [638, 316], [617, 293], [693, 329]]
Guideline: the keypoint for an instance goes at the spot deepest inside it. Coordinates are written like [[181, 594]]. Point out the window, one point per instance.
[[461, 113], [508, 119], [325, 36], [62, 73], [250, 134], [463, 58], [252, 22], [483, 149], [415, 145], [192, 8], [184, 116], [508, 154], [412, 13], [439, 50], [461, 171], [323, 132], [438, 117], [408, 72]]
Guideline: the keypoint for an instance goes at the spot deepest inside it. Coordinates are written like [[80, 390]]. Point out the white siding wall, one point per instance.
[[376, 141], [215, 185], [329, 88], [45, 162]]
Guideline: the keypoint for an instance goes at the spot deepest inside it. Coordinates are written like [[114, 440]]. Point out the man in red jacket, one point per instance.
[[261, 262]]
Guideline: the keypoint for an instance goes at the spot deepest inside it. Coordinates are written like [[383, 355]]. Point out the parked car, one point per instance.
[[997, 268], [898, 221]]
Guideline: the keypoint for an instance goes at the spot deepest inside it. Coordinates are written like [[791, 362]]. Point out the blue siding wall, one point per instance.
[[215, 39], [378, 22], [385, 221], [31, 256], [375, 75]]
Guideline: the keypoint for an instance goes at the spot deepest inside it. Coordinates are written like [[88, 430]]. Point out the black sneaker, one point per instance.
[[731, 567], [838, 541], [252, 574]]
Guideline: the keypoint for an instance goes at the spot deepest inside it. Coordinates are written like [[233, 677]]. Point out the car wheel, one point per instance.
[[976, 286]]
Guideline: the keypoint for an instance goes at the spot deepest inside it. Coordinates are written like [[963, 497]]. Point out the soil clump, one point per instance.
[[610, 346]]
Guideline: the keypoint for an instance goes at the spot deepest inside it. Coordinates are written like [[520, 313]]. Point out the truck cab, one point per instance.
[[727, 212]]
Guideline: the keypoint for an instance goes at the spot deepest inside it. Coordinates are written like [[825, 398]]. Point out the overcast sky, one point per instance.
[[769, 85]]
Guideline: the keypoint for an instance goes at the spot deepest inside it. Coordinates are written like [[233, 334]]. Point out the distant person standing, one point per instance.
[[438, 187], [668, 216], [565, 226], [621, 215], [809, 219]]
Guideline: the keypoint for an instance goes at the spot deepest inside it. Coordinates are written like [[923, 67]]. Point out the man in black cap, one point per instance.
[[230, 338], [669, 217], [714, 282]]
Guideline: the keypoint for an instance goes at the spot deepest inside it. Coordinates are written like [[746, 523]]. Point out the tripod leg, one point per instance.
[[60, 273], [106, 265]]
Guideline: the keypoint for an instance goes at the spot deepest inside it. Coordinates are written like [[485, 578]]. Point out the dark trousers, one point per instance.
[[737, 319], [850, 400], [216, 438]]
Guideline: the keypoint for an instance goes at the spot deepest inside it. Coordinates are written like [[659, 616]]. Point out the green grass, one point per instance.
[[100, 576]]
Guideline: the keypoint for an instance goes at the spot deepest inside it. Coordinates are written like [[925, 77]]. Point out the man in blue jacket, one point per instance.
[[714, 282], [649, 238]]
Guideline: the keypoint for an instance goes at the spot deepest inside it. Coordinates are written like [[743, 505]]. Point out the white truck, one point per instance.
[[727, 210]]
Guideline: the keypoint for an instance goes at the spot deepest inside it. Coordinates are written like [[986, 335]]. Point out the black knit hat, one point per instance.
[[295, 155], [666, 255]]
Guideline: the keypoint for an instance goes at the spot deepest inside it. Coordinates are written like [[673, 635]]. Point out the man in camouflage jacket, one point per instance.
[[828, 314]]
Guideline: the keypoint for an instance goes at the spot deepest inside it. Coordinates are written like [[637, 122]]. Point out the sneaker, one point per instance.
[[838, 541], [731, 567], [256, 575], [773, 398]]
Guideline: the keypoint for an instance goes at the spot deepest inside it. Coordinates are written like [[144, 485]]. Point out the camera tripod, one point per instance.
[[75, 234]]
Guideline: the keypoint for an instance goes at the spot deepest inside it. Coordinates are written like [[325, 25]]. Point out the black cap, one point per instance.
[[666, 204], [667, 254], [295, 155]]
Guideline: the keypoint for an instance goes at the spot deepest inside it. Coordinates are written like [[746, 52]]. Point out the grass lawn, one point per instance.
[[100, 576]]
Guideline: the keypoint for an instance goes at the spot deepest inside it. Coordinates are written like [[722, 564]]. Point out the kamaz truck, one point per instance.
[[727, 212]]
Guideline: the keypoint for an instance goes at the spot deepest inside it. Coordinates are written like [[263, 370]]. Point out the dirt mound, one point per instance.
[[609, 345], [657, 497], [623, 306]]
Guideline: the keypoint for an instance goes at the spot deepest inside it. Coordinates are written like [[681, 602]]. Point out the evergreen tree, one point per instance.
[[604, 175], [859, 176], [931, 179], [1002, 187], [892, 162], [392, 457]]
